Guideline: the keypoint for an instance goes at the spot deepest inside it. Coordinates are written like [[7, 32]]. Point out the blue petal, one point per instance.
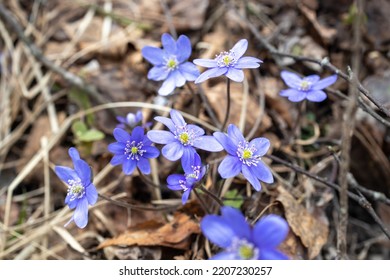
[[175, 187], [291, 79], [316, 95], [262, 172], [195, 129], [289, 91], [137, 134], [189, 71], [183, 48], [208, 143], [299, 96], [153, 55], [324, 82], [225, 256], [128, 166], [211, 73], [167, 122], [168, 43], [248, 62], [117, 147], [66, 173], [217, 230], [270, 231], [240, 48], [272, 254], [161, 136], [262, 145], [74, 154], [177, 118], [80, 215], [143, 165], [117, 159], [91, 194], [121, 135], [230, 167], [158, 73], [173, 151], [234, 74], [185, 196], [209, 63], [187, 160], [235, 134], [168, 86], [312, 79], [71, 204], [226, 142], [174, 179], [179, 78], [83, 170], [248, 174], [237, 221], [151, 152]]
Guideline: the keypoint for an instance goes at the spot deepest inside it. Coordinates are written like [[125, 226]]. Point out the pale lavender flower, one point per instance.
[[244, 156], [170, 63], [81, 190], [182, 139], [310, 87], [228, 63]]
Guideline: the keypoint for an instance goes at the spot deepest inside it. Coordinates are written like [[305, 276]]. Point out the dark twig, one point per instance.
[[137, 207], [348, 127], [209, 193], [377, 196], [227, 105], [362, 202]]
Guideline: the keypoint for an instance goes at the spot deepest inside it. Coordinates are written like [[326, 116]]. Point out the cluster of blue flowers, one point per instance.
[[182, 140]]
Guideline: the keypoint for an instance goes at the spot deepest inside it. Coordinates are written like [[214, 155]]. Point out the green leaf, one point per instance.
[[79, 128], [91, 135], [233, 199]]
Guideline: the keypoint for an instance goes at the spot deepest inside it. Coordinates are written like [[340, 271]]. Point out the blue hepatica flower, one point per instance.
[[244, 156], [182, 139], [81, 191], [193, 174], [241, 241], [132, 120], [310, 87], [170, 63], [228, 63], [132, 150]]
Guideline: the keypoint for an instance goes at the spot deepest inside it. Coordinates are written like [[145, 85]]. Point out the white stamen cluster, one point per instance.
[[134, 150], [76, 189], [245, 153], [226, 59], [171, 63], [184, 135], [245, 250]]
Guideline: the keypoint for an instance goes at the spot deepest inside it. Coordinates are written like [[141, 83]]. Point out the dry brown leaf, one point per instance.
[[312, 231], [151, 233]]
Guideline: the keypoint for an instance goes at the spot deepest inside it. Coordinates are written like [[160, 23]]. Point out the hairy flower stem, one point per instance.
[[213, 196], [228, 104], [296, 130]]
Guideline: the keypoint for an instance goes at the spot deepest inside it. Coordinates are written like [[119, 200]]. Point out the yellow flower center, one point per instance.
[[246, 252], [305, 85], [246, 154], [134, 150], [171, 63], [184, 137], [226, 60]]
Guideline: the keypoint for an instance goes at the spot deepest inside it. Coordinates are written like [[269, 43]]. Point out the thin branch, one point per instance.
[[357, 198]]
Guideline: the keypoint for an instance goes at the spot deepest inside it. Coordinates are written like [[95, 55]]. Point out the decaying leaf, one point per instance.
[[175, 234], [312, 231]]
